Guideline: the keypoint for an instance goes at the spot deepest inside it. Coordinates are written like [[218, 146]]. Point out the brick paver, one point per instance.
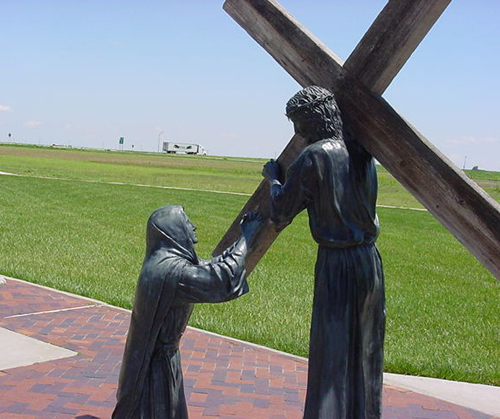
[[223, 378]]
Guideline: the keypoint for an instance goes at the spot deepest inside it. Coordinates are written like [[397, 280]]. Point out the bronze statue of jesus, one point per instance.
[[335, 179]]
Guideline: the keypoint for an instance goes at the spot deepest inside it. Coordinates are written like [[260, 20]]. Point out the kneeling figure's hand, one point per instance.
[[250, 224]]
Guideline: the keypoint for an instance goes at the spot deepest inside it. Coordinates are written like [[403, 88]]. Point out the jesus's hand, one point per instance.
[[271, 170]]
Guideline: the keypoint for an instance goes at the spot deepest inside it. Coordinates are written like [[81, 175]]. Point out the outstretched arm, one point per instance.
[[290, 198], [223, 278], [251, 223]]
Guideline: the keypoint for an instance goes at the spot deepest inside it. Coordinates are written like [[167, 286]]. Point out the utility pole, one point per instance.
[[159, 136]]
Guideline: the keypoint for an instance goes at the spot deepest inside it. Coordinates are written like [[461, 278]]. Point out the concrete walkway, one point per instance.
[[19, 350], [475, 396], [224, 377]]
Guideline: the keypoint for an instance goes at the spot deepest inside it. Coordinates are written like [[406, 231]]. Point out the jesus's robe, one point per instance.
[[336, 182]]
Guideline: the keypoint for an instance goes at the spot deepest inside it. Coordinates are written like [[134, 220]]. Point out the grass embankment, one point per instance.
[[232, 174], [88, 238], [198, 172]]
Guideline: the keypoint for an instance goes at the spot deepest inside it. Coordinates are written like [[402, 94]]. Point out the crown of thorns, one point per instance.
[[294, 107]]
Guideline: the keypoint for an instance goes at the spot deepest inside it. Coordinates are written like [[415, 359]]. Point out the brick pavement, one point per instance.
[[223, 378]]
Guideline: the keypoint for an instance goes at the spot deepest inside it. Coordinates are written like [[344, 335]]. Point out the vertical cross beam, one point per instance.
[[457, 202]]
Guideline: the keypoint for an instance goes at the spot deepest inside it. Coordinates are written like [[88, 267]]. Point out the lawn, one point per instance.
[[239, 175], [200, 172], [88, 238]]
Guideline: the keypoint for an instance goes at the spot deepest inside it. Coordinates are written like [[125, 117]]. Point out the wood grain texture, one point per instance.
[[259, 201], [391, 39], [457, 202]]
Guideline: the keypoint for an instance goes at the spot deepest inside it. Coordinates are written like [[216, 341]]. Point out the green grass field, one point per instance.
[[86, 236]]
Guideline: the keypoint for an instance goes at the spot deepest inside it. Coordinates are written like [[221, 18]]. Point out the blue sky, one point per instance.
[[85, 73]]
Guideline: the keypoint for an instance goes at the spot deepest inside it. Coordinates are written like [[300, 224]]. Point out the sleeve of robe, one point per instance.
[[294, 195], [222, 256], [221, 279]]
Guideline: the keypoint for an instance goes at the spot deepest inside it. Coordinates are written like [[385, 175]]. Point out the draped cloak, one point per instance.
[[336, 182], [172, 279]]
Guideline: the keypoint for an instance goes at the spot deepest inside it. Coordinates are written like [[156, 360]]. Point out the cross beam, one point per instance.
[[471, 215], [379, 56]]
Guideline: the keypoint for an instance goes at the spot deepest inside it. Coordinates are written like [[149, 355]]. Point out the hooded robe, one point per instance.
[[172, 279], [336, 182]]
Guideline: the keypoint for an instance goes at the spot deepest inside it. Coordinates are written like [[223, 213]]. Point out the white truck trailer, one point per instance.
[[188, 148]]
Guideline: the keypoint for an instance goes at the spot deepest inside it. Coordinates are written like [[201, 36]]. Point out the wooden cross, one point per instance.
[[470, 214]]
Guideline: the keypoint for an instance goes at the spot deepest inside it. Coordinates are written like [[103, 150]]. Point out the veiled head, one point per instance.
[[169, 227]]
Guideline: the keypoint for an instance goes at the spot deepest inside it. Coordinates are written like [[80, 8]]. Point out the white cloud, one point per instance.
[[32, 123], [473, 140], [5, 108], [158, 129]]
